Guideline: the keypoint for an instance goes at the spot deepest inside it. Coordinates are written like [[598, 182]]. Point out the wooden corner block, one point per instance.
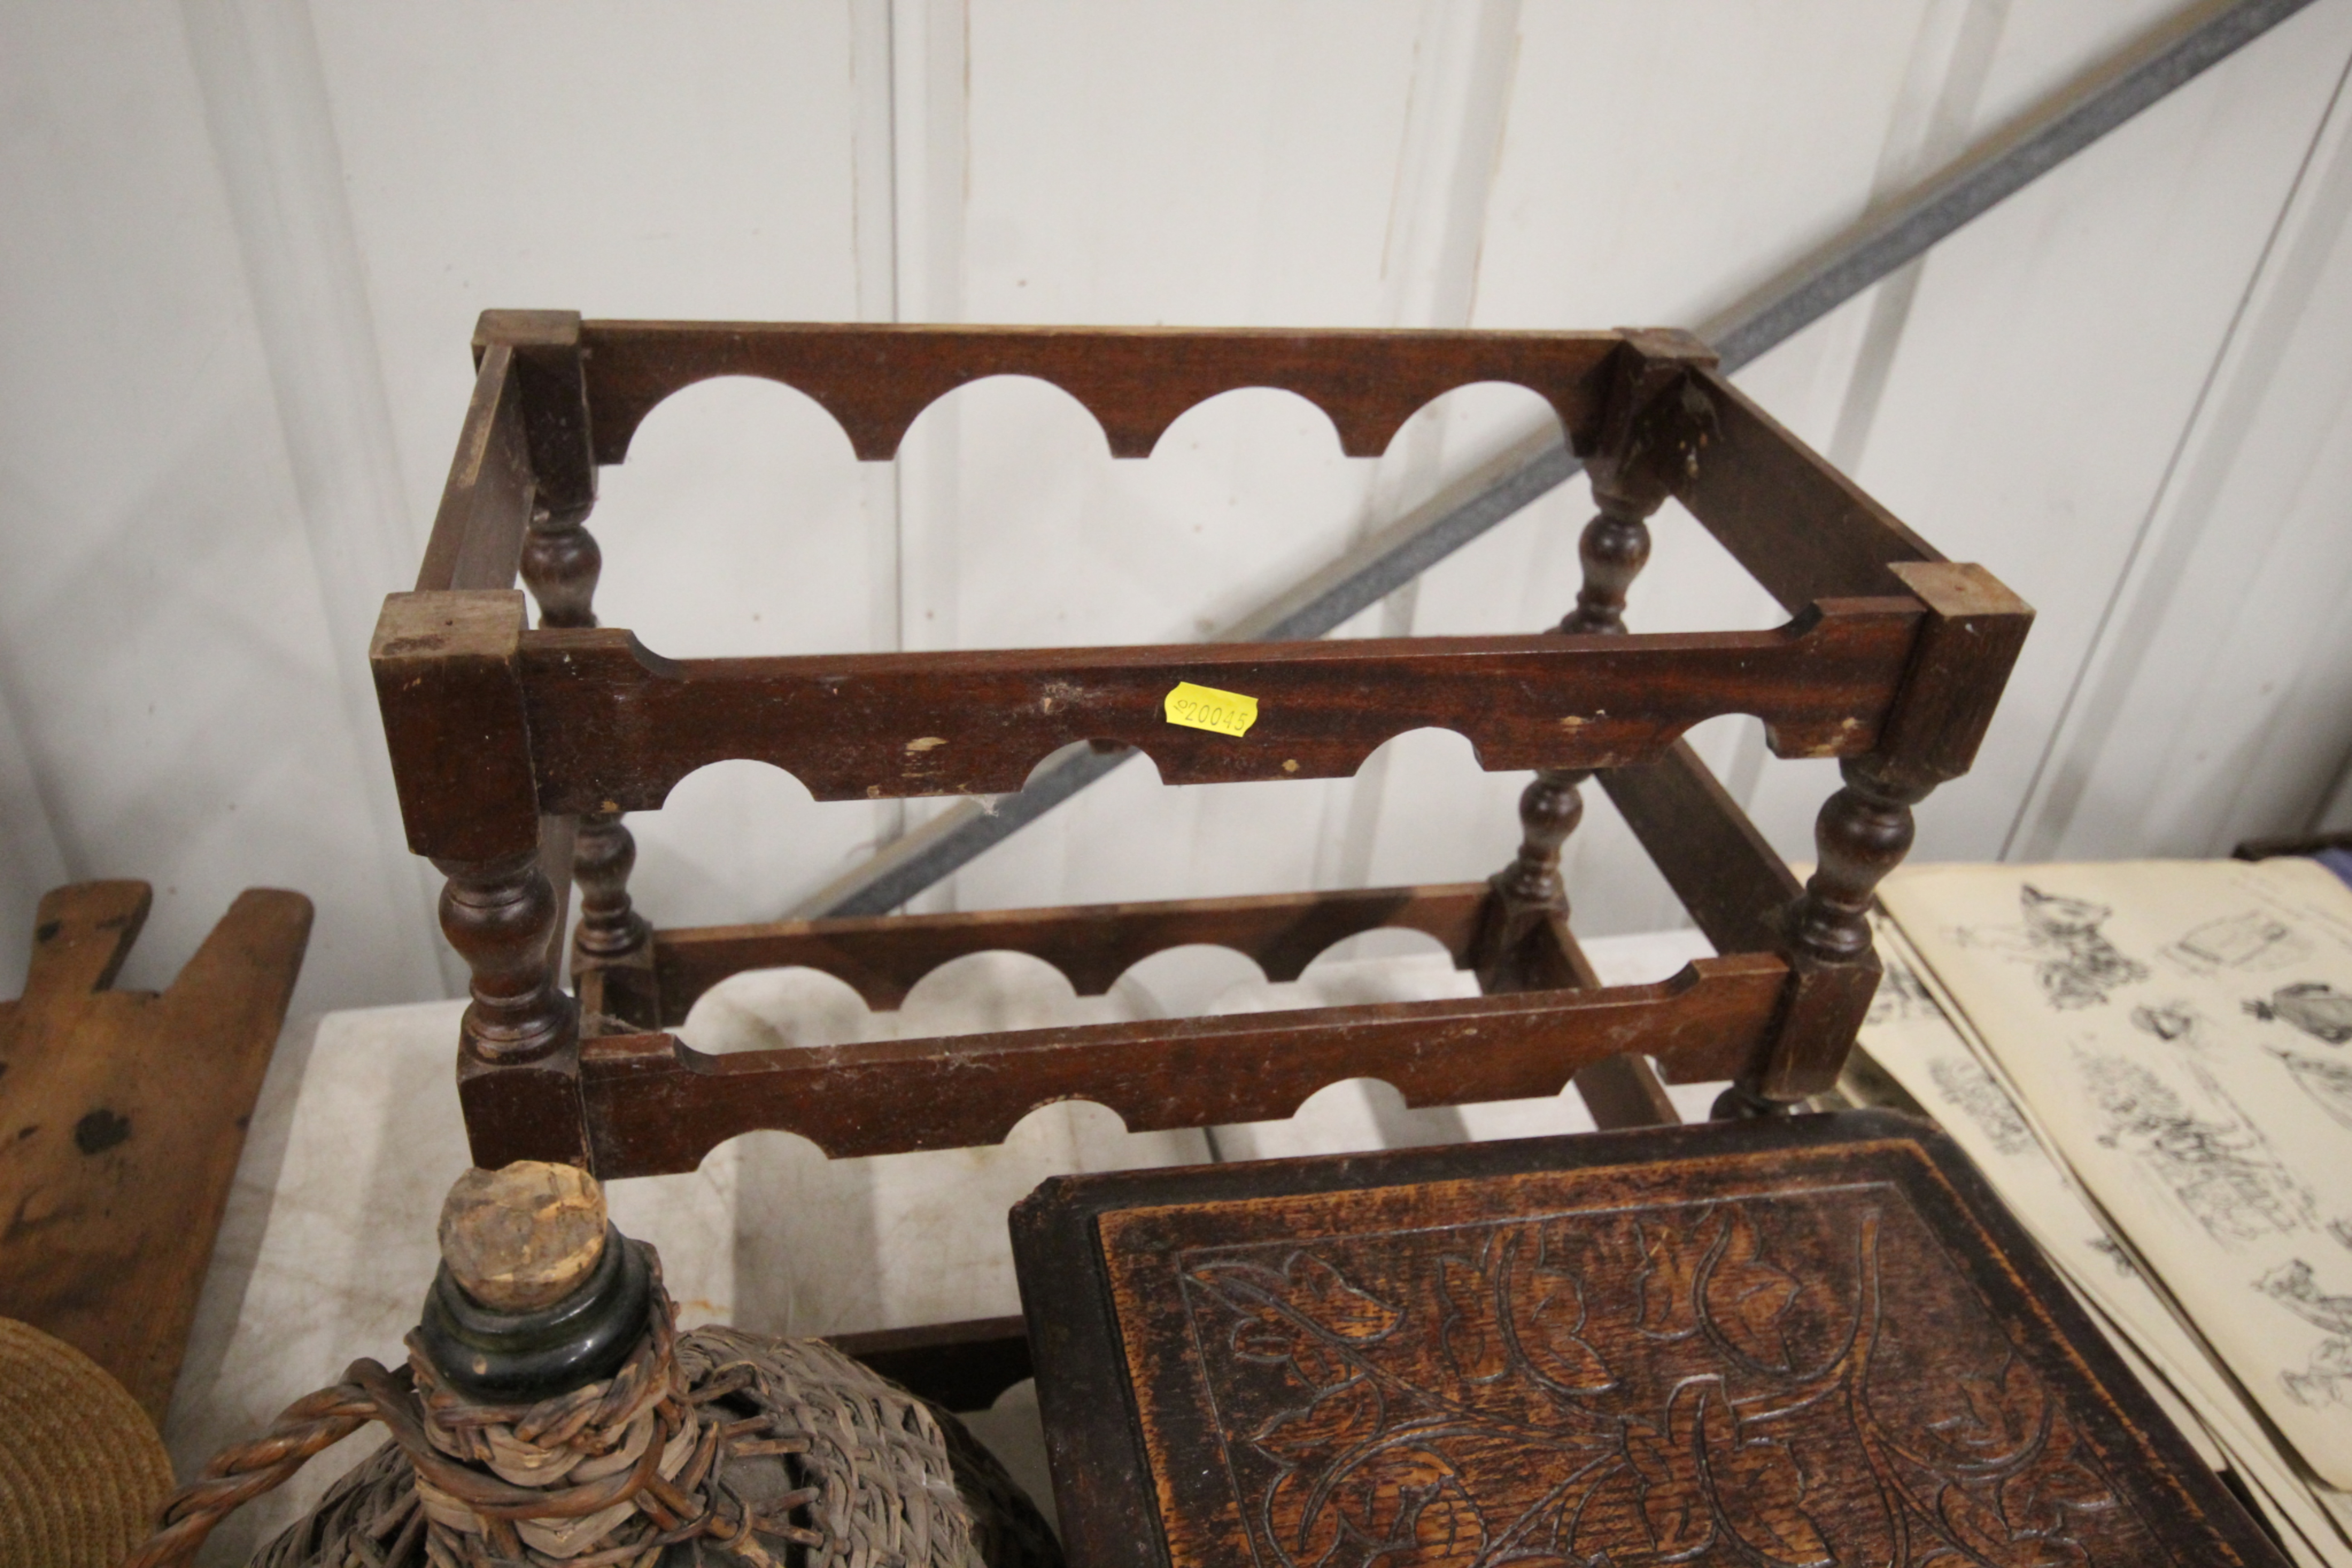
[[1670, 345], [123, 1114], [1649, 436], [481, 623], [527, 1110], [448, 681], [527, 329], [554, 383], [1968, 644], [1824, 1005], [1960, 590]]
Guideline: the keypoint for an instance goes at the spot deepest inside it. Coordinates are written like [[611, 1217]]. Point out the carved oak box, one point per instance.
[[1806, 1341]]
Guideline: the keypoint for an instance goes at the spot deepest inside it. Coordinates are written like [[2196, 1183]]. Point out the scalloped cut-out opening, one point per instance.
[[1277, 416], [1140, 761], [1184, 981], [742, 840], [983, 992], [998, 991], [1459, 431], [777, 1009], [1408, 972], [739, 526], [1386, 947], [1349, 1117], [992, 405]]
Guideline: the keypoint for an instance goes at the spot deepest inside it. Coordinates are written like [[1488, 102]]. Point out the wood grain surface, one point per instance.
[[1135, 381], [654, 1104], [121, 1117], [882, 956], [518, 750], [1753, 478], [486, 504], [1812, 1340], [885, 725]]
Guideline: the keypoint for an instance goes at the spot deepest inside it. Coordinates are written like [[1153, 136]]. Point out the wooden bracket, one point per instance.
[[1655, 420]]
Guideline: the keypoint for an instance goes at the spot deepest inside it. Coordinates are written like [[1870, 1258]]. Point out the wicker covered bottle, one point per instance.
[[551, 1415]]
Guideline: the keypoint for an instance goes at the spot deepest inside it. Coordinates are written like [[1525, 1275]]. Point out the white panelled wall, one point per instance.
[[246, 240]]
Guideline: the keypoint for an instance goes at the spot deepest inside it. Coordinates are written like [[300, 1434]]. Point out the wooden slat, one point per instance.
[[1624, 1091], [121, 1117], [1135, 381], [486, 503], [1621, 1091], [614, 725], [1800, 528], [655, 1105], [1092, 944], [1726, 875]]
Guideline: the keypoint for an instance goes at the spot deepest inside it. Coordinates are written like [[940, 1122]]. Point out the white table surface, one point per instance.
[[328, 1244]]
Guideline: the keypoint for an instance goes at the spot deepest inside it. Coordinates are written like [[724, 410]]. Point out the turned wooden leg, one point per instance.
[[1863, 833], [612, 959], [1517, 949], [1529, 891], [1613, 549], [1526, 947], [561, 564], [518, 1062], [611, 947], [499, 915], [601, 858]]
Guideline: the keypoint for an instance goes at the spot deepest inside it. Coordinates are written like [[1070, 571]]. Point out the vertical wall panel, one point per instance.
[[2053, 357], [2218, 702], [163, 647]]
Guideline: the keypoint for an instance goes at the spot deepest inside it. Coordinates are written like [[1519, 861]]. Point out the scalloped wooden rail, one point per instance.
[[1136, 382], [656, 1105], [884, 957], [884, 726]]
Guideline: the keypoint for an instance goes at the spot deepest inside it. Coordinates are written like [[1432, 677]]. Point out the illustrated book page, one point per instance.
[[2179, 1031], [1913, 1036]]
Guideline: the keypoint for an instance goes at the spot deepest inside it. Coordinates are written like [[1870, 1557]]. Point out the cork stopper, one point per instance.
[[524, 1237]]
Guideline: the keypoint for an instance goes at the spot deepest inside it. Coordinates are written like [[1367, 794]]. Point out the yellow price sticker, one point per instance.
[[1206, 707]]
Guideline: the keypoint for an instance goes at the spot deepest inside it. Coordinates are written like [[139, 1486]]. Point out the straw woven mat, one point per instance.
[[81, 1471]]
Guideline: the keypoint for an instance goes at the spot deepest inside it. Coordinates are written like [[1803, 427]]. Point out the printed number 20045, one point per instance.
[[1206, 707]]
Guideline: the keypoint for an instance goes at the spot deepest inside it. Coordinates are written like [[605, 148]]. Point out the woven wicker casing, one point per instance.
[[896, 1482]]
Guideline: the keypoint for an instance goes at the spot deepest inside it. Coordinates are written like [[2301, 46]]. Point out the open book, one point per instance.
[[2153, 1063]]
